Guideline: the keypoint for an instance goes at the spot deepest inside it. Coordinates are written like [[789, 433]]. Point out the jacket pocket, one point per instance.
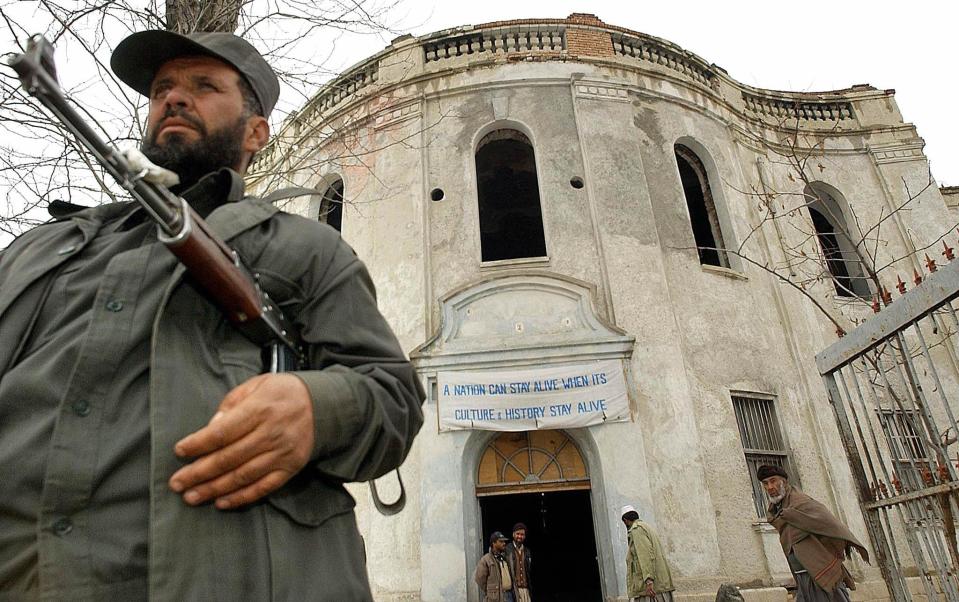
[[309, 500], [241, 360]]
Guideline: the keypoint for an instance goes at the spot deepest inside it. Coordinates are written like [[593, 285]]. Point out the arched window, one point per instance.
[[702, 209], [511, 221], [331, 206], [531, 461], [835, 240]]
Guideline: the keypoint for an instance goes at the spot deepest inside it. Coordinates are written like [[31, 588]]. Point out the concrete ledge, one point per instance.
[[762, 594]]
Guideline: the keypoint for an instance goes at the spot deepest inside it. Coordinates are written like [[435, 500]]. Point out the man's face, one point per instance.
[[775, 487], [197, 122], [519, 536], [499, 545]]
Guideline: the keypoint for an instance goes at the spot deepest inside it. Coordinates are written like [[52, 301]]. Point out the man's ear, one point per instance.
[[257, 134]]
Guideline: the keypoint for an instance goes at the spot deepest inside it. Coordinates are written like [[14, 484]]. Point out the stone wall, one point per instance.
[[607, 105]]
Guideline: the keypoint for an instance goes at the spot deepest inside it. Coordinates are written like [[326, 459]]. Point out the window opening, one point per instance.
[[510, 216], [841, 258], [762, 443], [826, 234], [702, 208], [531, 461], [331, 207]]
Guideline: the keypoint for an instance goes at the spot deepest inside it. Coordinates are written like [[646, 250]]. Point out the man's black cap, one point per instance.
[[497, 536], [770, 470], [138, 57]]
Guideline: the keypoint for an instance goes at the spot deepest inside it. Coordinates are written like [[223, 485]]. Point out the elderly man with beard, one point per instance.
[[813, 540], [142, 455]]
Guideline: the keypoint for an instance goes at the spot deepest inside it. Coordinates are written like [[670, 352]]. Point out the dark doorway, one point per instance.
[[560, 536]]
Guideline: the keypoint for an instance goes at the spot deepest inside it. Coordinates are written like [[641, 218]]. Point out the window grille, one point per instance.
[[762, 442], [909, 457]]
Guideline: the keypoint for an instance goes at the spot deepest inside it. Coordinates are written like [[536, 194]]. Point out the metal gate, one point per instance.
[[894, 387]]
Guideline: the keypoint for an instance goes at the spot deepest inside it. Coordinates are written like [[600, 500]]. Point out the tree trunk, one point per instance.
[[187, 16]]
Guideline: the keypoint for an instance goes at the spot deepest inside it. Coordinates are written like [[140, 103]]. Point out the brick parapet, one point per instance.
[[582, 41]]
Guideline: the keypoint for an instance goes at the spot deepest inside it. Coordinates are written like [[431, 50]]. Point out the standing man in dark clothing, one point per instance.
[[493, 574], [142, 455], [813, 540], [520, 559]]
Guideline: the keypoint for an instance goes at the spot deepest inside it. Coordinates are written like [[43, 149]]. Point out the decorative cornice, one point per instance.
[[898, 153], [396, 114], [614, 93]]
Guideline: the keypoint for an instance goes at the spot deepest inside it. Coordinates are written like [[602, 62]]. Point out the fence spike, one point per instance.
[[943, 472], [841, 333], [916, 277], [930, 264], [947, 251], [875, 305], [886, 295], [900, 285]]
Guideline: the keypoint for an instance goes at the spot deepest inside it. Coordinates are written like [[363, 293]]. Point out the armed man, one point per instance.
[[142, 454]]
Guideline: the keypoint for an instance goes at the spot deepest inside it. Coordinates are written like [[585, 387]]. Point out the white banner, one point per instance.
[[526, 400]]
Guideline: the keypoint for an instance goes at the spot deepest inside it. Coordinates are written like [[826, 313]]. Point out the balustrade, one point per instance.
[[498, 40], [659, 54], [808, 110]]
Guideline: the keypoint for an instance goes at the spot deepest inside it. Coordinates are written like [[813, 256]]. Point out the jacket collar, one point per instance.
[[213, 190]]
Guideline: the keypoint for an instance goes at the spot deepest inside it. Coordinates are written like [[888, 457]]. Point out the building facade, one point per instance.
[[540, 195]]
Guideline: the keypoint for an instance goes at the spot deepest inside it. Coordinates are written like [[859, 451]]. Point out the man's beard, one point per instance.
[[775, 499], [193, 160]]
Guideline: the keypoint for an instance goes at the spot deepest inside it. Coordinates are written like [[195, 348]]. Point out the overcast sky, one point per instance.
[[809, 45]]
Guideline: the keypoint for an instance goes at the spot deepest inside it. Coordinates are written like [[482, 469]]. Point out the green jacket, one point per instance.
[[645, 560], [302, 542]]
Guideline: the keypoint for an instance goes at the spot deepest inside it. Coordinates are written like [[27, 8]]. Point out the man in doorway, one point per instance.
[[647, 573], [142, 454], [493, 575], [813, 540], [520, 560]]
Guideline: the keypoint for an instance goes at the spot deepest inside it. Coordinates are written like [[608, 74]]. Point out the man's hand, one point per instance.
[[261, 435], [649, 588]]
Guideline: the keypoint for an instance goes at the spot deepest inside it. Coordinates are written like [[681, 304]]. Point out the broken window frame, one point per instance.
[[841, 260], [331, 208], [701, 209]]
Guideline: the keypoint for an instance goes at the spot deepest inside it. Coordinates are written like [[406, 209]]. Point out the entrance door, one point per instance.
[[559, 532], [539, 478]]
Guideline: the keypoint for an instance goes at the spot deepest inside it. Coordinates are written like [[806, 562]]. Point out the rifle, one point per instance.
[[218, 269]]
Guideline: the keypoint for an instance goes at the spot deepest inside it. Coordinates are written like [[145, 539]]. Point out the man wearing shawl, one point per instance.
[[814, 541]]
